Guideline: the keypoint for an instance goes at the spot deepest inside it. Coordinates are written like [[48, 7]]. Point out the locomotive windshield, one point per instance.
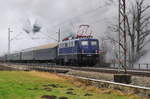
[[84, 43], [87, 43], [94, 43]]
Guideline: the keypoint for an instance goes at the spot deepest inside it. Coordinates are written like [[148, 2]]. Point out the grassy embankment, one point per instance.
[[35, 85]]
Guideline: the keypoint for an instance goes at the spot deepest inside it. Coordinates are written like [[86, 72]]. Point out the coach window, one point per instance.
[[84, 43], [71, 43], [63, 45], [68, 44]]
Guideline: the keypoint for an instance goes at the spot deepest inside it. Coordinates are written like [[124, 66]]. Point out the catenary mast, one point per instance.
[[122, 35]]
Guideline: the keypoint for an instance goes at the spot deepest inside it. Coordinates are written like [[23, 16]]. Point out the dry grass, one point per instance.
[[46, 75], [84, 84]]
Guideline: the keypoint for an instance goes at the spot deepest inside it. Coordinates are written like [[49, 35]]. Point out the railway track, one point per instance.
[[50, 67]]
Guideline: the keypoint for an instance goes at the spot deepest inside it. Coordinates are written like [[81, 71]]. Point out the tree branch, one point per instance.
[[116, 42], [146, 8]]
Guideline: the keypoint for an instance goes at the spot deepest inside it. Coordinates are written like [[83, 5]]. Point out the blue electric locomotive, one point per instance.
[[81, 51]]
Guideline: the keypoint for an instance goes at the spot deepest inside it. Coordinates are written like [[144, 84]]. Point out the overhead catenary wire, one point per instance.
[[80, 15]]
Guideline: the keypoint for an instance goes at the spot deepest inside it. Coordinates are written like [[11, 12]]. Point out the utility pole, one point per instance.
[[9, 40], [59, 35], [122, 35]]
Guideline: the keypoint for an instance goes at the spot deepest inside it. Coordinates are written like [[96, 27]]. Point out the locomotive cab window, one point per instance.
[[94, 43], [84, 43], [71, 44]]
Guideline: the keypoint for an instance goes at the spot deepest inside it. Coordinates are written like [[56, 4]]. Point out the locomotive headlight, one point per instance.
[[89, 55], [97, 51]]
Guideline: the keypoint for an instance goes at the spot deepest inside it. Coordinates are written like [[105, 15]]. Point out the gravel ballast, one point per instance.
[[136, 80]]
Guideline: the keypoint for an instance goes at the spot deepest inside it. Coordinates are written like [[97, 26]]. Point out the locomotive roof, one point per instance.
[[79, 39], [87, 39]]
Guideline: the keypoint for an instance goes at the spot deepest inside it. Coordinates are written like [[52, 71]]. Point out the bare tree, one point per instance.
[[138, 29], [143, 22], [138, 25], [132, 32]]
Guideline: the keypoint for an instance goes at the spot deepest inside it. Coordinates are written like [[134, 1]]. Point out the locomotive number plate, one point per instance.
[[89, 55]]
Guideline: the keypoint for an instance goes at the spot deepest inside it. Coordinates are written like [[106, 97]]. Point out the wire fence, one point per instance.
[[52, 67], [140, 66]]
